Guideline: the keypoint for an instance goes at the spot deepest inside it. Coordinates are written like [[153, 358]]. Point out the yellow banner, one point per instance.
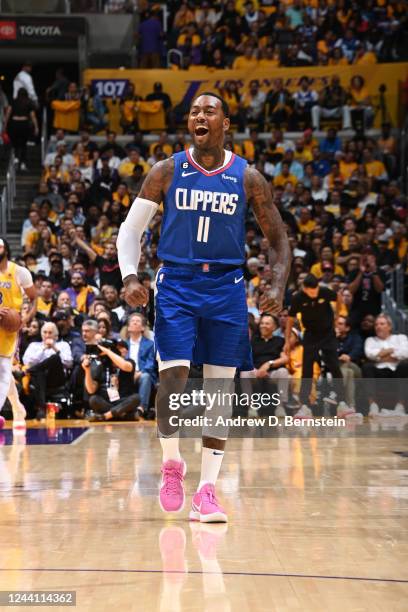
[[184, 85]]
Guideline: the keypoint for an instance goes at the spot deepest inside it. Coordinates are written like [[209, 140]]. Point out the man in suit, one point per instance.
[[141, 350]]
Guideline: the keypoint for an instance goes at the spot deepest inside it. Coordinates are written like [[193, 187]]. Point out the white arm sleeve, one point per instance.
[[131, 232], [24, 278]]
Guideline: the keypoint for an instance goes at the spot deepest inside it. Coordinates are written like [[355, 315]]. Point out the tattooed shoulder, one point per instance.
[[158, 180]]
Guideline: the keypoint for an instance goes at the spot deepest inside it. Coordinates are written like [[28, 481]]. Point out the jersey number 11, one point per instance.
[[203, 227]]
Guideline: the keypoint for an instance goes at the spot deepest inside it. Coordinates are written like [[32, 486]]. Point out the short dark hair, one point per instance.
[[269, 314], [224, 105], [311, 282]]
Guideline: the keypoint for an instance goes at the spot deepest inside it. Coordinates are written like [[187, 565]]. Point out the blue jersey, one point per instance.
[[204, 213]]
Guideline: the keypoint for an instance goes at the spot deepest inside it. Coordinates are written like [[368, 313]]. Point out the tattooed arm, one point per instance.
[[154, 188], [260, 197]]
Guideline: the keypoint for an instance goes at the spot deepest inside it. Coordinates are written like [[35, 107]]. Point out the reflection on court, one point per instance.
[[316, 524]]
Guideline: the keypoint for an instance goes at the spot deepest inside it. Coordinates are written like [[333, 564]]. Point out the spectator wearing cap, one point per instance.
[[350, 352], [388, 358], [141, 351], [269, 359]]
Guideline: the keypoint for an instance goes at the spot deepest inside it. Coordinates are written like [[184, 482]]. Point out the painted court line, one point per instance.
[[82, 436], [200, 573]]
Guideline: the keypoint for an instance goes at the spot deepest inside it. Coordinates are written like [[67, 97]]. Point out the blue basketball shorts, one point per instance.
[[202, 316]]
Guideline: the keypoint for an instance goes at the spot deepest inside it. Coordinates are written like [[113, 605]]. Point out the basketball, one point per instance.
[[10, 320]]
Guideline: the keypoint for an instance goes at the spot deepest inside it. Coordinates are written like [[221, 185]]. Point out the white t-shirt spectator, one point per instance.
[[24, 79], [398, 342], [37, 353]]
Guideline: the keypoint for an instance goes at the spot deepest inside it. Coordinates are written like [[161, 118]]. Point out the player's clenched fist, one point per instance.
[[135, 293]]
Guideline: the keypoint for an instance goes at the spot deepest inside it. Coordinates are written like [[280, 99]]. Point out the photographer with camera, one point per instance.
[[109, 381], [366, 286]]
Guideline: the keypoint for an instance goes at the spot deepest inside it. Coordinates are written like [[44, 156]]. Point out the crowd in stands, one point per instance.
[[271, 33], [346, 218], [349, 106]]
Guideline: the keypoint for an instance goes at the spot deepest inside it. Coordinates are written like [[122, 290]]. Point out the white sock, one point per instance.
[[211, 460], [170, 448]]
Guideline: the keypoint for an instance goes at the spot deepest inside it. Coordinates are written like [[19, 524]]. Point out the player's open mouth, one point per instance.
[[201, 130]]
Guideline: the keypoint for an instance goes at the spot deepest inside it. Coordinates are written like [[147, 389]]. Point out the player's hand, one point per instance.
[[271, 302], [135, 293]]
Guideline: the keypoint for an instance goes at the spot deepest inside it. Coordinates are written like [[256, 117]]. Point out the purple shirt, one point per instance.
[[150, 32]]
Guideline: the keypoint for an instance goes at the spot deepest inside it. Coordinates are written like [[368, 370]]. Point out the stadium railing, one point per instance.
[[393, 300], [404, 156], [44, 135], [8, 195]]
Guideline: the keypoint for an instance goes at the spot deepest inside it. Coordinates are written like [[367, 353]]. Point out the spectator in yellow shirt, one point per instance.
[[269, 58], [126, 167], [247, 61], [337, 58], [373, 167], [364, 57], [122, 195], [347, 166], [163, 141], [285, 177], [360, 100], [301, 154], [326, 257], [306, 224]]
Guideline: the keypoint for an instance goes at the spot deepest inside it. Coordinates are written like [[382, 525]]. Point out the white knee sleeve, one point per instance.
[[214, 371], [5, 377]]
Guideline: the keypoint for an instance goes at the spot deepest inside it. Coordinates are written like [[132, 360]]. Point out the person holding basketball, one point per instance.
[[14, 281]]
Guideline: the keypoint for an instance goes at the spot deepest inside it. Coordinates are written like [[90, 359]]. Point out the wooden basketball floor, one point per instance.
[[316, 523]]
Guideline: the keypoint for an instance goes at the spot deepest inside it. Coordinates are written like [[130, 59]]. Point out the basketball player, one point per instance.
[[201, 311], [14, 280]]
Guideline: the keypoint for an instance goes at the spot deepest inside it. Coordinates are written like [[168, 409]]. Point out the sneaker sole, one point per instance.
[[184, 497], [215, 517]]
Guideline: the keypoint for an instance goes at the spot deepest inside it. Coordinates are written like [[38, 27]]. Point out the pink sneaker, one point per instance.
[[171, 495], [205, 507], [2, 421]]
